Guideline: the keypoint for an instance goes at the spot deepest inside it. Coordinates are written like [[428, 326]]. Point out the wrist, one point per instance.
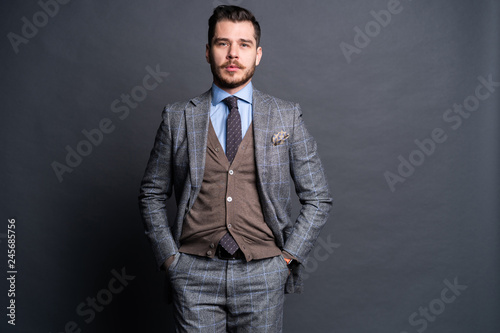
[[168, 262], [287, 255]]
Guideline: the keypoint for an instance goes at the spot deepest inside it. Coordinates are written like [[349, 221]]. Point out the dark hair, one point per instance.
[[233, 14]]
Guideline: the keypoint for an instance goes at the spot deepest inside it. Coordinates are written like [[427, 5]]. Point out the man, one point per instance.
[[228, 156]]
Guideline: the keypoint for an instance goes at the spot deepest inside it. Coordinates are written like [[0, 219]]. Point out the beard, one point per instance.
[[227, 80]]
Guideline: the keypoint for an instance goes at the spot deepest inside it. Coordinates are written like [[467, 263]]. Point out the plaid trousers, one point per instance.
[[216, 295]]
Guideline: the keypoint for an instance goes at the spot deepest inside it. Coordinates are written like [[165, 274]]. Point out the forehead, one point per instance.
[[235, 30]]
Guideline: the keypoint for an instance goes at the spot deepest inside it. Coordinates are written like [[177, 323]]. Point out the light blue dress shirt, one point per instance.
[[219, 111]]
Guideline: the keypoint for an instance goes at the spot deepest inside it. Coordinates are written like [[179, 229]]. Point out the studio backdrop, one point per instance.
[[401, 96]]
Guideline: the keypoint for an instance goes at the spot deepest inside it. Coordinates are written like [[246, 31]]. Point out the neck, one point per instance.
[[232, 91]]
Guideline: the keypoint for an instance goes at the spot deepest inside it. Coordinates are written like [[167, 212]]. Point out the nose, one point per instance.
[[232, 52]]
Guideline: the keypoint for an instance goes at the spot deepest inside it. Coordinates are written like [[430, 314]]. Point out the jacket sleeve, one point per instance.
[[311, 188], [156, 188]]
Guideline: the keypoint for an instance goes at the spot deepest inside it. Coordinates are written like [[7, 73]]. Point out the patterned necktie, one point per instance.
[[233, 140], [233, 133]]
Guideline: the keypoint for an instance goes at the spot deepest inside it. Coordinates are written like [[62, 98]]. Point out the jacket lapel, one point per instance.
[[261, 117], [197, 115]]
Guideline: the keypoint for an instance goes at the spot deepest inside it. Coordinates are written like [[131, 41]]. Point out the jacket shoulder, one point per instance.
[[274, 101], [183, 105]]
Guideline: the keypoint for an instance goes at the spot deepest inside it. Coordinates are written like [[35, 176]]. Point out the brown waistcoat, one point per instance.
[[228, 201]]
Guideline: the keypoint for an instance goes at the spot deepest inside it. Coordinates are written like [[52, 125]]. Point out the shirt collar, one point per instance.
[[244, 94]]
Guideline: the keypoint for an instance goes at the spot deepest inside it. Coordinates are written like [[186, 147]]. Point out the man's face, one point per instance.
[[233, 55]]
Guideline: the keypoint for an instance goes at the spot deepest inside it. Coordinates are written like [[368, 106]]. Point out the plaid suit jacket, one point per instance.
[[177, 161]]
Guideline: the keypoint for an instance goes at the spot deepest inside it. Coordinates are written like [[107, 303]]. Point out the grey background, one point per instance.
[[389, 251]]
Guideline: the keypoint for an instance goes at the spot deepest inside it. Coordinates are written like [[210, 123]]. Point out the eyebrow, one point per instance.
[[249, 41]]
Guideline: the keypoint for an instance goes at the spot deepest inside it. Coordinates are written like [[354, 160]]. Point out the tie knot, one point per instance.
[[231, 102]]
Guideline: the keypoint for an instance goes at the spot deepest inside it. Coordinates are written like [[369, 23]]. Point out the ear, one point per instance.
[[259, 56], [207, 53]]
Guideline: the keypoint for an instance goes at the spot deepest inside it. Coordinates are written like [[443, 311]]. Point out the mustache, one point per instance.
[[232, 63]]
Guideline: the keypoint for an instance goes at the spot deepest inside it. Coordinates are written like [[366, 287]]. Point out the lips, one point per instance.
[[232, 68]]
